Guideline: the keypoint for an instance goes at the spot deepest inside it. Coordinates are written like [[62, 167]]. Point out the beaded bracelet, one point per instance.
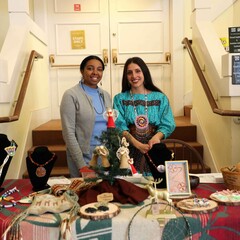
[[4, 197], [8, 205]]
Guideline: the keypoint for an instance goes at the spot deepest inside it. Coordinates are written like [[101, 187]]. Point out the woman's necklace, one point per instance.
[[141, 121], [159, 168], [100, 100], [41, 170]]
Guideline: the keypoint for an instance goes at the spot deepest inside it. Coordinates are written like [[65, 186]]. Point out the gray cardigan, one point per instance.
[[77, 117]]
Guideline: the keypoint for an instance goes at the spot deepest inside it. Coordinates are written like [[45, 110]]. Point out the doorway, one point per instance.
[[112, 29]]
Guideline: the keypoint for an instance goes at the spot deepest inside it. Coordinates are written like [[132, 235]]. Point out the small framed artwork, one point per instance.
[[177, 176]]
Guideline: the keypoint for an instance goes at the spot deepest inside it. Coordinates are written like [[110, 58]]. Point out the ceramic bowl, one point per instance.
[[194, 181]]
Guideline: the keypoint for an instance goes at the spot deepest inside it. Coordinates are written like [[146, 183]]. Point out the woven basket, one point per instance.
[[231, 179]]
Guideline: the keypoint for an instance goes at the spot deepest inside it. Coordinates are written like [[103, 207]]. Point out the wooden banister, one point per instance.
[[34, 55], [211, 100]]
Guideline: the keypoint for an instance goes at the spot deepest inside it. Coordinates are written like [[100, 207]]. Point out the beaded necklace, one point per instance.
[[141, 121], [41, 170], [159, 168], [100, 100], [6, 197]]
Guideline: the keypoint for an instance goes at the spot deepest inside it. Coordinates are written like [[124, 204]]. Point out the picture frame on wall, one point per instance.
[[177, 176]]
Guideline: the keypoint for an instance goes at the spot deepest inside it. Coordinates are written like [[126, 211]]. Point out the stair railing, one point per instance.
[[211, 100], [19, 102]]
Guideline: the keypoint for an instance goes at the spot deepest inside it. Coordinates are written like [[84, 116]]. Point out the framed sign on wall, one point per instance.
[[78, 39]]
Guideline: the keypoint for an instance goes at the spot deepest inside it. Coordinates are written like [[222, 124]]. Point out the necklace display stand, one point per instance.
[[6, 155], [39, 165]]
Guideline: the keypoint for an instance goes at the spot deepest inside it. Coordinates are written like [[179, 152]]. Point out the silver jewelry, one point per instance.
[[100, 99]]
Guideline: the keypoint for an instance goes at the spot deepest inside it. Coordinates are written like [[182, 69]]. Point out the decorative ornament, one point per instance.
[[113, 152], [123, 154], [161, 168], [227, 197], [95, 212], [11, 150], [157, 194], [133, 169], [197, 205], [100, 151], [110, 115]]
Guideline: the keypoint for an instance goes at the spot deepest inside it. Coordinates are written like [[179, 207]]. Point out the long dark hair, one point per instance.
[[148, 83], [86, 59]]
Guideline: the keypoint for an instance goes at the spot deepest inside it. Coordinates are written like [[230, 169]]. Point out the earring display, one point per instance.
[[39, 165], [7, 151]]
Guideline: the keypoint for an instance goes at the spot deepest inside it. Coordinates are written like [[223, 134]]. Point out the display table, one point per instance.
[[221, 224]]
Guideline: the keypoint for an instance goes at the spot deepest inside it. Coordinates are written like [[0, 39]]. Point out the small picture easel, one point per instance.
[[177, 176]]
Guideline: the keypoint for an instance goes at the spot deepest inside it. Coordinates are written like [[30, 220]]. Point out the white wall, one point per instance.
[[218, 134], [36, 109], [4, 20], [187, 62]]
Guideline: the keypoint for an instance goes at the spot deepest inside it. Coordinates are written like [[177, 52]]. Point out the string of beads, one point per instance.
[[160, 168], [5, 198]]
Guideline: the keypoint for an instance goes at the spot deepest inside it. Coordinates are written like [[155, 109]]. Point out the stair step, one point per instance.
[[196, 170], [185, 130], [196, 145], [49, 133], [187, 110]]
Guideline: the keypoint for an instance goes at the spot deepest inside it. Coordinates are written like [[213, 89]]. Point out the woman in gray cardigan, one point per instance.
[[82, 109]]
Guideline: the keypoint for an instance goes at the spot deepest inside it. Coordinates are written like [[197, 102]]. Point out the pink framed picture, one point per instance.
[[177, 176]]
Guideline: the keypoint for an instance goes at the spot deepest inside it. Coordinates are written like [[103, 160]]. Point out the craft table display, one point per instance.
[[220, 224]]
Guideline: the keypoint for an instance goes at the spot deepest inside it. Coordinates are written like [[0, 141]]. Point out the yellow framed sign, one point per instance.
[[78, 39]]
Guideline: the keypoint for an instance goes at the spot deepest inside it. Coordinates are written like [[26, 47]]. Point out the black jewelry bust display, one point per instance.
[[39, 165], [6, 156]]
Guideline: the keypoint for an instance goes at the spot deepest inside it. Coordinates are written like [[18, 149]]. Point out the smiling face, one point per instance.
[[135, 78], [92, 73]]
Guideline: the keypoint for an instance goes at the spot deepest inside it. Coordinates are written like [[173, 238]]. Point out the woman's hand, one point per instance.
[[155, 139], [143, 148]]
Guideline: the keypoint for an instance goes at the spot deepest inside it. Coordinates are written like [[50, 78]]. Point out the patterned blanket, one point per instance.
[[130, 223]]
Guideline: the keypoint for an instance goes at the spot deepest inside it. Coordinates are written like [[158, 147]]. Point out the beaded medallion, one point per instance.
[[41, 171]]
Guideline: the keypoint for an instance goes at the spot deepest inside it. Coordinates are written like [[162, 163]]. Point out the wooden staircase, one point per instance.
[[50, 134]]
